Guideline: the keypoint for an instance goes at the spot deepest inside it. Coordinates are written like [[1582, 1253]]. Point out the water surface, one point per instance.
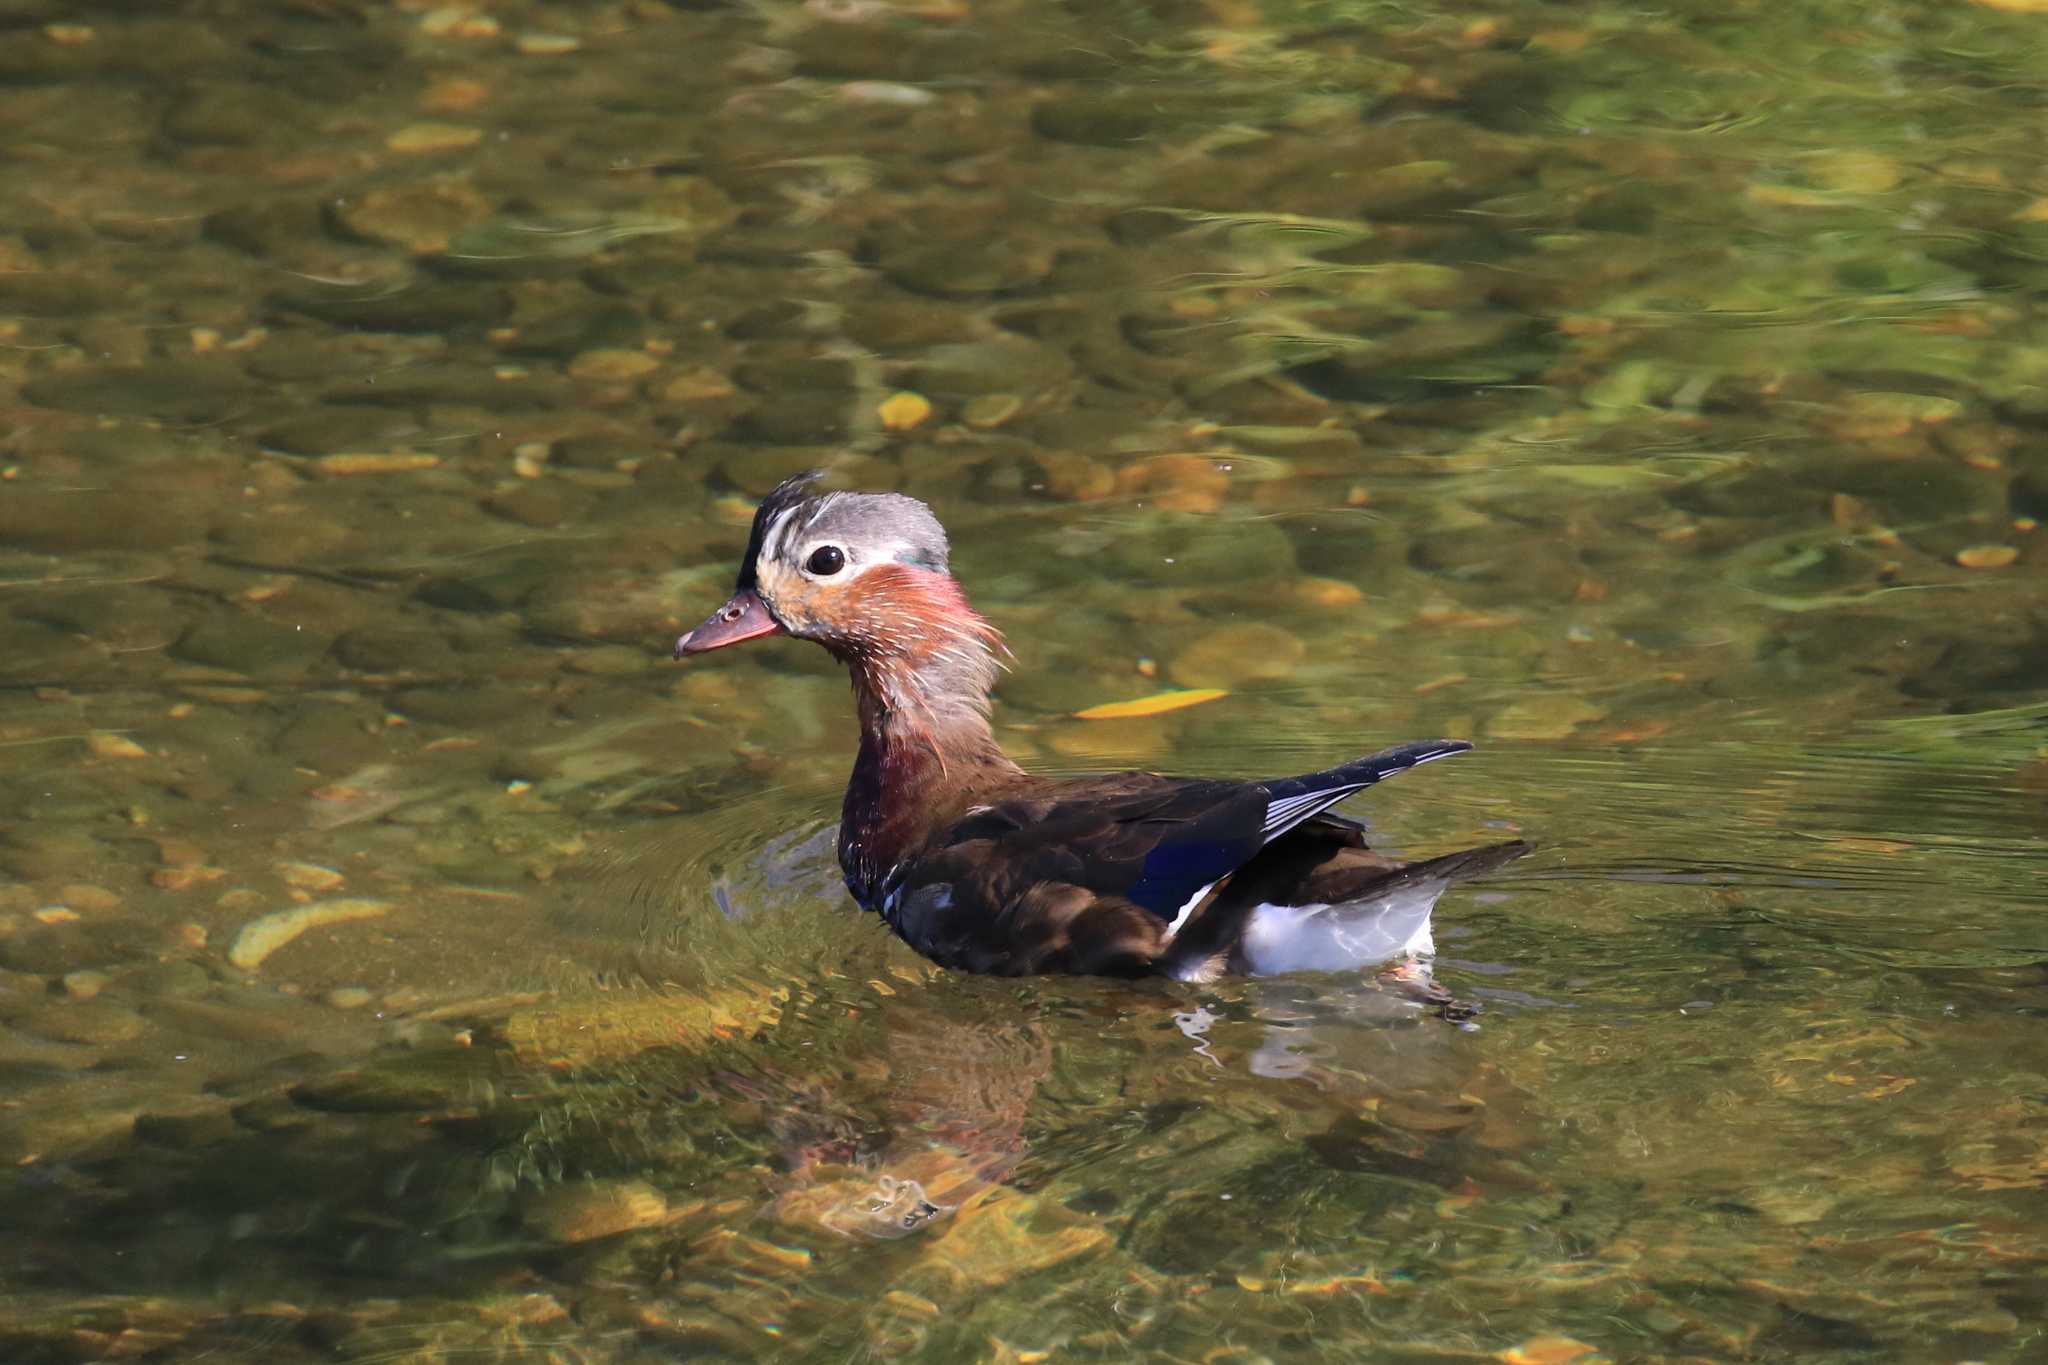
[[1657, 398]]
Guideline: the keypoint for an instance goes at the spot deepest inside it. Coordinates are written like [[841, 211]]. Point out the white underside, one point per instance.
[[1335, 938]]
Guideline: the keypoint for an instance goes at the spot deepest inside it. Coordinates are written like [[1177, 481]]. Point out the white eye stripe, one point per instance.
[[771, 539]]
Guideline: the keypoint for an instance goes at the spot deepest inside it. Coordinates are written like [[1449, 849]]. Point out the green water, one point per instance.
[[1657, 397]]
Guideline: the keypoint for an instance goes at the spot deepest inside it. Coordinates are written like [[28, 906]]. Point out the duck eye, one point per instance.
[[826, 560]]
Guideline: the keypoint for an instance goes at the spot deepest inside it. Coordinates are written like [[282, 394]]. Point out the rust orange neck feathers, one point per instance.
[[923, 661]]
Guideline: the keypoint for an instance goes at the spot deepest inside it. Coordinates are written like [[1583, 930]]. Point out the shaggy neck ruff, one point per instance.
[[923, 664]]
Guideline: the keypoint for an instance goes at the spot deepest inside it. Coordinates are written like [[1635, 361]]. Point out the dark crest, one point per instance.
[[791, 492]]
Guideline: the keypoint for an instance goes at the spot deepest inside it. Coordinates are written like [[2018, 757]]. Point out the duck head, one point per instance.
[[865, 575]]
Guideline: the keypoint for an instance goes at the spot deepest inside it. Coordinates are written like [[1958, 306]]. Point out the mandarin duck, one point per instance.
[[983, 867]]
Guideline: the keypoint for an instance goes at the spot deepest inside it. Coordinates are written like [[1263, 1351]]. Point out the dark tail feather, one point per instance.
[[1363, 772], [1454, 867]]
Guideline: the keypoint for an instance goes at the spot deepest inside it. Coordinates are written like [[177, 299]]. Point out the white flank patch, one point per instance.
[[1182, 917], [1335, 938]]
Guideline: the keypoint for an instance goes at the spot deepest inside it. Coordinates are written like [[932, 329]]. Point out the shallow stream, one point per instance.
[[402, 959]]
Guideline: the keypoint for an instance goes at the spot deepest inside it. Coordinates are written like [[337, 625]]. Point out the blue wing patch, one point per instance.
[[1173, 873]]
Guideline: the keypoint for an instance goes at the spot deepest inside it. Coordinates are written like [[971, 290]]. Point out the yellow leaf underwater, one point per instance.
[[1153, 705], [902, 411], [1545, 1350]]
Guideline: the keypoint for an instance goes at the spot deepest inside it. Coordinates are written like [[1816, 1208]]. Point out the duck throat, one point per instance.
[[926, 750]]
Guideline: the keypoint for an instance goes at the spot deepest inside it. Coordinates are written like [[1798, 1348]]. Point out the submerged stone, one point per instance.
[[799, 417], [85, 1020], [422, 218], [958, 269], [121, 616], [54, 1133], [501, 589], [1117, 118], [235, 113], [268, 227], [419, 307], [1234, 655], [612, 366], [1185, 550], [125, 518], [186, 1131], [168, 391], [1552, 716], [246, 643], [420, 1086], [540, 505], [341, 427], [1906, 493], [263, 936], [84, 984], [586, 1211], [428, 138], [585, 327]]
